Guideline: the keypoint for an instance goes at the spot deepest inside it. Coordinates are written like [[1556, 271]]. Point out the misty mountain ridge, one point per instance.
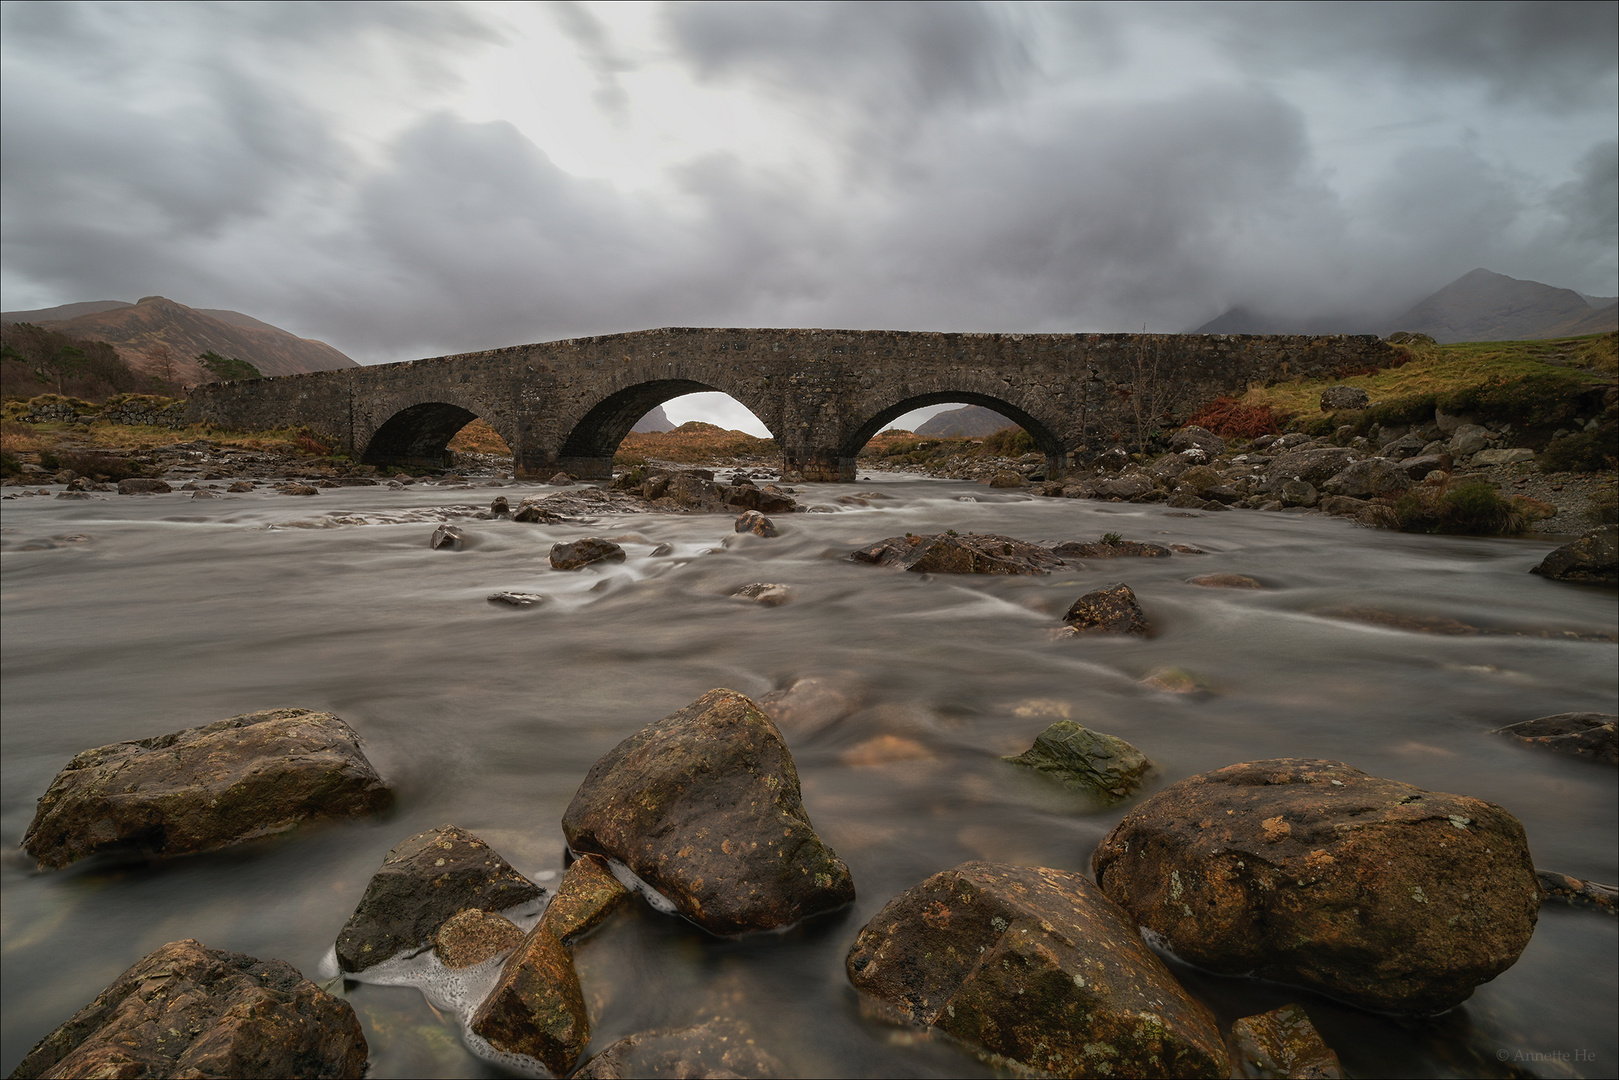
[[137, 330], [1478, 306], [971, 421]]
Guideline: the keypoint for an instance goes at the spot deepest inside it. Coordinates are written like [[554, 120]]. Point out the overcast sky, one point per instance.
[[406, 180]]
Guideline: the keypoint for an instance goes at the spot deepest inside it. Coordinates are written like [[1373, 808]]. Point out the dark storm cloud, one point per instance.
[[956, 183], [1555, 55]]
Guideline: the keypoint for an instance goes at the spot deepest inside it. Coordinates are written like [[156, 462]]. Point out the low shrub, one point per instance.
[[1584, 451], [99, 466], [1605, 508], [1008, 442], [1468, 509], [1231, 419]]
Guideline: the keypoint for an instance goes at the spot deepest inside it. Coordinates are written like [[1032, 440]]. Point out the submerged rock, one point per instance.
[[186, 1010], [1225, 581], [719, 1048], [517, 599], [704, 806], [472, 936], [1314, 873], [1577, 893], [582, 553], [1087, 760], [767, 593], [421, 884], [974, 553], [1109, 610], [1110, 549], [1588, 735], [1036, 968], [205, 788], [1593, 557], [447, 536], [588, 894], [536, 1008], [144, 486], [1282, 1044]]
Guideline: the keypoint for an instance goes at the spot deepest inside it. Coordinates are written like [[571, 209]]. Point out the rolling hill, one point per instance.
[[139, 331]]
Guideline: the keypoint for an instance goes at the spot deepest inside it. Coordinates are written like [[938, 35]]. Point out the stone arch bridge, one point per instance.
[[565, 405]]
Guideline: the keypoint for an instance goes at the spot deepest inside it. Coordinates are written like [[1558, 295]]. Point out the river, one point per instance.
[[127, 617]]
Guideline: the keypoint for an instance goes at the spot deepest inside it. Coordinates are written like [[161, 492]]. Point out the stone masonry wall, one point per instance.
[[822, 393]]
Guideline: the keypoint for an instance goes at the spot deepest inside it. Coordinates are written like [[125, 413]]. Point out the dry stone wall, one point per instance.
[[565, 405]]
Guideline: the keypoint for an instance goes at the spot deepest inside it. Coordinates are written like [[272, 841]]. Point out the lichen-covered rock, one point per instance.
[[1334, 398], [205, 788], [1593, 557], [1281, 1045], [1087, 760], [472, 936], [1594, 736], [1110, 549], [1367, 478], [1299, 493], [973, 553], [422, 882], [588, 894], [1314, 873], [536, 1008], [1006, 478], [1128, 486], [1313, 465], [1037, 968], [704, 806], [1192, 437], [751, 521], [1109, 610], [720, 1048], [186, 1010], [582, 553]]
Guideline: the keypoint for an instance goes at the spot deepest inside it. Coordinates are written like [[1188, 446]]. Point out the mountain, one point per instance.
[[1485, 306], [656, 420], [1478, 306], [138, 330], [970, 420]]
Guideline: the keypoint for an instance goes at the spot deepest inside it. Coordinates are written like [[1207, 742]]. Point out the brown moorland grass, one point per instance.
[[479, 438], [694, 442]]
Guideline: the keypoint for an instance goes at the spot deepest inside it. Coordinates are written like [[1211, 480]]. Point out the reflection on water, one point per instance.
[[161, 613]]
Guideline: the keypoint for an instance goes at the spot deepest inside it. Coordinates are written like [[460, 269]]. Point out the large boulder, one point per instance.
[[1594, 736], [1367, 478], [205, 788], [1334, 398], [1086, 760], [1128, 486], [536, 1008], [704, 806], [582, 553], [1315, 465], [1192, 437], [1593, 557], [1036, 968], [1109, 610], [421, 884], [974, 553], [186, 1010], [1313, 873]]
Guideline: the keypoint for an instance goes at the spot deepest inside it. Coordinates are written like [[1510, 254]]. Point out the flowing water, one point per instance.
[[128, 617]]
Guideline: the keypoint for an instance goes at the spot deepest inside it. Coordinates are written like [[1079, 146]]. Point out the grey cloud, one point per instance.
[[896, 61], [1554, 54], [587, 32]]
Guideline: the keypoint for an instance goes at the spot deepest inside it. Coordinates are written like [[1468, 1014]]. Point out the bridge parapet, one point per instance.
[[565, 405]]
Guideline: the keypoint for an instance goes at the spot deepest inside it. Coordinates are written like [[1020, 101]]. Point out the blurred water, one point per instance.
[[172, 612]]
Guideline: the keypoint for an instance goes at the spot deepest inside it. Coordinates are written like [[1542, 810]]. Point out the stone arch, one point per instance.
[[1045, 436], [588, 446], [418, 434]]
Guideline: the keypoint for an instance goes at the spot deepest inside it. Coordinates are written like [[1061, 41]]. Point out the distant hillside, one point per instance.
[[969, 420], [654, 421], [139, 331], [1478, 306], [1485, 306]]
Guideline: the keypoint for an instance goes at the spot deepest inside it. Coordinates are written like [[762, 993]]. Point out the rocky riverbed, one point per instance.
[[913, 735]]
